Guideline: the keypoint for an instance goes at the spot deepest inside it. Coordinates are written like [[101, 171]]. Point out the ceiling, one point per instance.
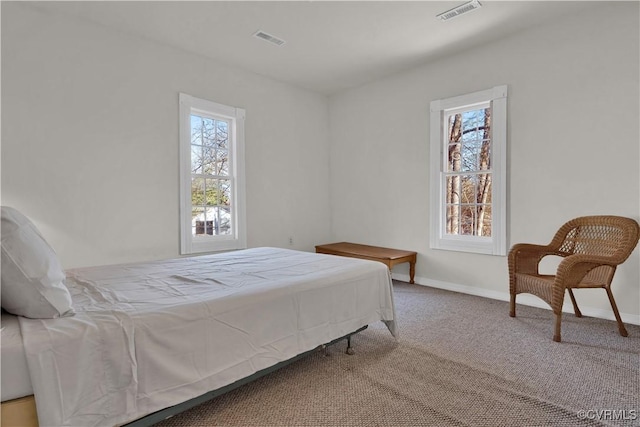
[[330, 45]]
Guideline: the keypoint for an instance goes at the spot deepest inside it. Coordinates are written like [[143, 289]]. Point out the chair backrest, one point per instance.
[[614, 237]]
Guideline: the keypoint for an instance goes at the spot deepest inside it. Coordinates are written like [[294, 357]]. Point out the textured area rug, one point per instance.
[[460, 361]]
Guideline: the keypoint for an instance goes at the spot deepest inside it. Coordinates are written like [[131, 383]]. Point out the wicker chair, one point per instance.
[[592, 248]]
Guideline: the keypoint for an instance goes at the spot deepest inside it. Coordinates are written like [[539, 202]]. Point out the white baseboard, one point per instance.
[[524, 299]]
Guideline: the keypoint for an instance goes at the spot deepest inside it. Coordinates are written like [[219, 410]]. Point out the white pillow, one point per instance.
[[32, 277]]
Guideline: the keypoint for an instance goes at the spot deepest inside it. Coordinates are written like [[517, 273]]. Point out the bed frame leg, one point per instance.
[[325, 350], [350, 350]]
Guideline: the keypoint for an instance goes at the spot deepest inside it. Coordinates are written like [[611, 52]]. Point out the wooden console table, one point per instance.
[[387, 256]]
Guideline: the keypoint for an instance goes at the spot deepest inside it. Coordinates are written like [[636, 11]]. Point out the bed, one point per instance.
[[149, 336]]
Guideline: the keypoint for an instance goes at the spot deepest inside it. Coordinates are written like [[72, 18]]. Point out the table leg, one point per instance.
[[412, 271]]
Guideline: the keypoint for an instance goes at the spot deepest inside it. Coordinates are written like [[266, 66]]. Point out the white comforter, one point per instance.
[[149, 336]]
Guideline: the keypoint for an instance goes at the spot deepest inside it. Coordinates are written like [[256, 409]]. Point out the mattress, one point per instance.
[[14, 375], [149, 336]]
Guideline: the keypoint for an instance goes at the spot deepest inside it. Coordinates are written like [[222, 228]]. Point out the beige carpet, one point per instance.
[[460, 361]]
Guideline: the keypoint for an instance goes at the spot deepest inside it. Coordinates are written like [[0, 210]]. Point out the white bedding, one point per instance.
[[14, 375], [149, 336]]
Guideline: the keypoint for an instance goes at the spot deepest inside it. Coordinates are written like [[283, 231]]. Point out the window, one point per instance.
[[468, 172], [212, 215]]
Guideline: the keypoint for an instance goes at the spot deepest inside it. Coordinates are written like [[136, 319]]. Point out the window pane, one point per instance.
[[224, 218], [455, 157], [211, 192], [196, 129], [472, 130], [484, 188], [453, 189], [467, 220], [454, 127], [473, 122], [222, 162], [196, 159], [222, 134], [210, 221], [469, 188], [469, 156], [208, 161], [453, 219], [484, 220], [225, 192], [208, 132], [197, 221], [484, 160], [197, 192]]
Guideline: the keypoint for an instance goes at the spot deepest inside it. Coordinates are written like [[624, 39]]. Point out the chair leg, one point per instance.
[[621, 328], [576, 310], [556, 335], [512, 307]]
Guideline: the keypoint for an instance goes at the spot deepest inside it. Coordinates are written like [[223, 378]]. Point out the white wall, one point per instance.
[[573, 119], [90, 141]]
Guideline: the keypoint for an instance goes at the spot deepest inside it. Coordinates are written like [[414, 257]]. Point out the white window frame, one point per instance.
[[497, 243], [190, 244]]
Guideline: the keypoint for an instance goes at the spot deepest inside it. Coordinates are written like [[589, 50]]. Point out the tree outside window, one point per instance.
[[468, 175], [210, 181]]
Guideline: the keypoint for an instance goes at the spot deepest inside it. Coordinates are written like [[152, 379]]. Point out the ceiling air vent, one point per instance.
[[457, 11], [268, 37]]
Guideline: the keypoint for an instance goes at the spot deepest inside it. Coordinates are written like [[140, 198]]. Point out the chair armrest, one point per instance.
[[573, 268], [525, 257]]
